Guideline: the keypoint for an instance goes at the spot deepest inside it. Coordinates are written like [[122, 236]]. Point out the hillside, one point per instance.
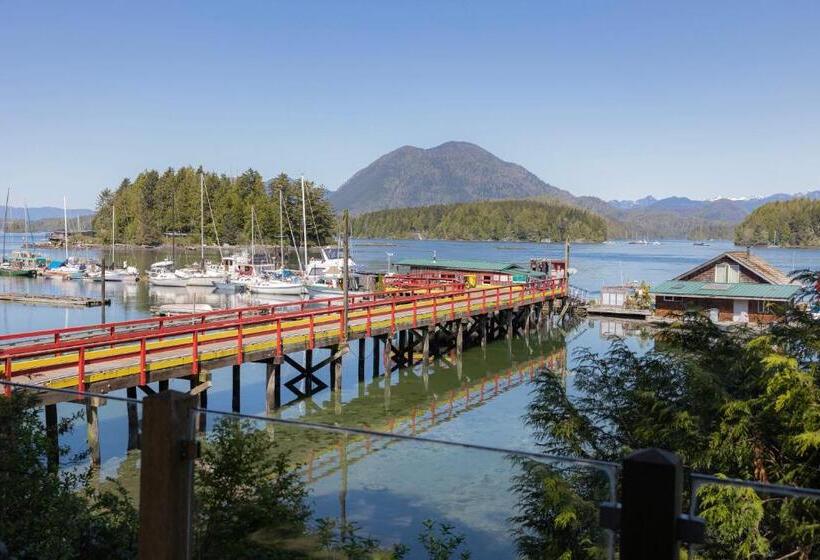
[[451, 172], [510, 220], [794, 223]]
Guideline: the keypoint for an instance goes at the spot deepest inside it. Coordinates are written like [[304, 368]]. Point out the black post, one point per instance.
[[360, 356], [651, 505], [52, 433], [237, 386], [102, 291]]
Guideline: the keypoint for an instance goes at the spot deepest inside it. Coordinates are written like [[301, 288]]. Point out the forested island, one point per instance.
[[512, 220], [791, 223], [155, 203]]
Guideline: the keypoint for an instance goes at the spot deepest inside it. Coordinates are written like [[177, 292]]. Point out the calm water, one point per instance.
[[389, 488]]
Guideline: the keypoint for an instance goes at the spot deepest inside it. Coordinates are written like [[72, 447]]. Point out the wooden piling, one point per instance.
[[166, 476], [375, 357], [360, 357], [133, 420], [236, 388], [273, 386], [52, 433], [308, 368], [93, 425]]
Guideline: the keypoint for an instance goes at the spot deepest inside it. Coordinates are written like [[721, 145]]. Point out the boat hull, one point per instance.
[[17, 272], [294, 290], [168, 282]]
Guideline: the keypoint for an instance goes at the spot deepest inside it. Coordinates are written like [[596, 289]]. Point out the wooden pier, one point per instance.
[[405, 327], [54, 300]]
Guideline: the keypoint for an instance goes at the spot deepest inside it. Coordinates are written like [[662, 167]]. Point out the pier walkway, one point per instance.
[[105, 357]]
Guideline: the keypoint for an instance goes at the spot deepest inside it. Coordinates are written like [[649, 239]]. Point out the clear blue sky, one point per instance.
[[613, 99]]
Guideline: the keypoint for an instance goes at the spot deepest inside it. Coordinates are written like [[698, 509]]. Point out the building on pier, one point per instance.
[[483, 272], [735, 287]]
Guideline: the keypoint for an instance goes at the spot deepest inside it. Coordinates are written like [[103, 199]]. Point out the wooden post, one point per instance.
[[425, 346], [459, 337], [387, 356], [102, 290], [375, 357], [133, 420], [335, 369], [345, 274], [360, 356], [510, 315], [652, 482], [273, 377], [166, 476], [163, 385], [483, 327], [402, 346], [93, 424], [308, 368], [236, 388], [52, 433]]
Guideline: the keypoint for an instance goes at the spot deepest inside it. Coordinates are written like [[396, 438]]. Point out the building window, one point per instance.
[[726, 273], [761, 307], [672, 298]]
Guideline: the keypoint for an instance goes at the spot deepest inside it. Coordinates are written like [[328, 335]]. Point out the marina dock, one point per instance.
[[53, 300]]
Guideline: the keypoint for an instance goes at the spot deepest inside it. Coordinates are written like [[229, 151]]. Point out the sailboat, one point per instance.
[[124, 274], [13, 267], [68, 270], [269, 284], [204, 276]]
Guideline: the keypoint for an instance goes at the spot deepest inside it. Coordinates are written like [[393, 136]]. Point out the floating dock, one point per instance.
[[615, 311], [57, 301]]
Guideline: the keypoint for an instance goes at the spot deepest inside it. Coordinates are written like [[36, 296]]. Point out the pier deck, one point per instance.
[[101, 358]]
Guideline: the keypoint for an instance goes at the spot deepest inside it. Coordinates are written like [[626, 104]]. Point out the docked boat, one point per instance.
[[229, 286], [160, 274], [7, 269], [182, 309], [272, 286], [197, 277], [331, 265]]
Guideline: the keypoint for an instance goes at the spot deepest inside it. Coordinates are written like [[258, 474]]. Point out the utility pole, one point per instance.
[[345, 271]]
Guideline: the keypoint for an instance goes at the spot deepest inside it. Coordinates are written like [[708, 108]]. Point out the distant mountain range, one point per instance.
[[42, 212], [456, 172]]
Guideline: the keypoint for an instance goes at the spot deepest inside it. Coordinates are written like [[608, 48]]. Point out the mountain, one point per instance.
[[43, 212], [788, 223], [449, 173]]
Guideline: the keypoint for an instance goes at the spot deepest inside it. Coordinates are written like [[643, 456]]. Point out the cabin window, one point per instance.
[[672, 298], [726, 273], [760, 306]]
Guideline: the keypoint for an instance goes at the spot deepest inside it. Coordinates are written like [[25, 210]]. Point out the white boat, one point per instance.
[[160, 274], [275, 287], [230, 286], [331, 265], [182, 308], [196, 277]]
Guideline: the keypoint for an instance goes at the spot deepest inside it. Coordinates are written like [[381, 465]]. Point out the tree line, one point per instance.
[[155, 203], [512, 220], [794, 223]]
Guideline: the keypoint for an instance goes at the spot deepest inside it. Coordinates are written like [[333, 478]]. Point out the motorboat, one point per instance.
[[160, 274], [331, 265], [182, 309], [273, 286], [202, 278]]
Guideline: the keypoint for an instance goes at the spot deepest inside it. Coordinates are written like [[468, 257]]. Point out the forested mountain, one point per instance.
[[463, 172], [155, 203], [451, 172], [515, 220], [793, 223]]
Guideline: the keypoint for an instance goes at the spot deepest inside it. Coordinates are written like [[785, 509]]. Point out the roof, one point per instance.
[[748, 261], [472, 266], [746, 290]]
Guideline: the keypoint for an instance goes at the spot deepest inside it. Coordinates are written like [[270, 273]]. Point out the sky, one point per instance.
[[613, 99]]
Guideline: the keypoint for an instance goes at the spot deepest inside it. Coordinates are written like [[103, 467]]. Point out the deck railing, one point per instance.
[[50, 350]]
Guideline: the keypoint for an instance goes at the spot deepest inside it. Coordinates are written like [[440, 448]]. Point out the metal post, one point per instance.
[[346, 273], [102, 292], [652, 488], [166, 476]]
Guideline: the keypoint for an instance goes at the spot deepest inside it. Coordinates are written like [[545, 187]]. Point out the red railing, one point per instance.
[[222, 325]]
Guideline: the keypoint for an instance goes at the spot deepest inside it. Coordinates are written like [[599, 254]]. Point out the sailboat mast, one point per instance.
[[304, 222], [6, 222], [281, 232], [113, 230], [253, 248], [28, 241], [202, 222], [65, 226]]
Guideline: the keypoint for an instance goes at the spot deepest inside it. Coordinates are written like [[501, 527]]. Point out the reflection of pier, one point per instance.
[[424, 416]]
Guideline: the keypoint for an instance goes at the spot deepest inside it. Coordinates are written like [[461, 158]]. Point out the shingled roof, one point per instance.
[[771, 274]]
